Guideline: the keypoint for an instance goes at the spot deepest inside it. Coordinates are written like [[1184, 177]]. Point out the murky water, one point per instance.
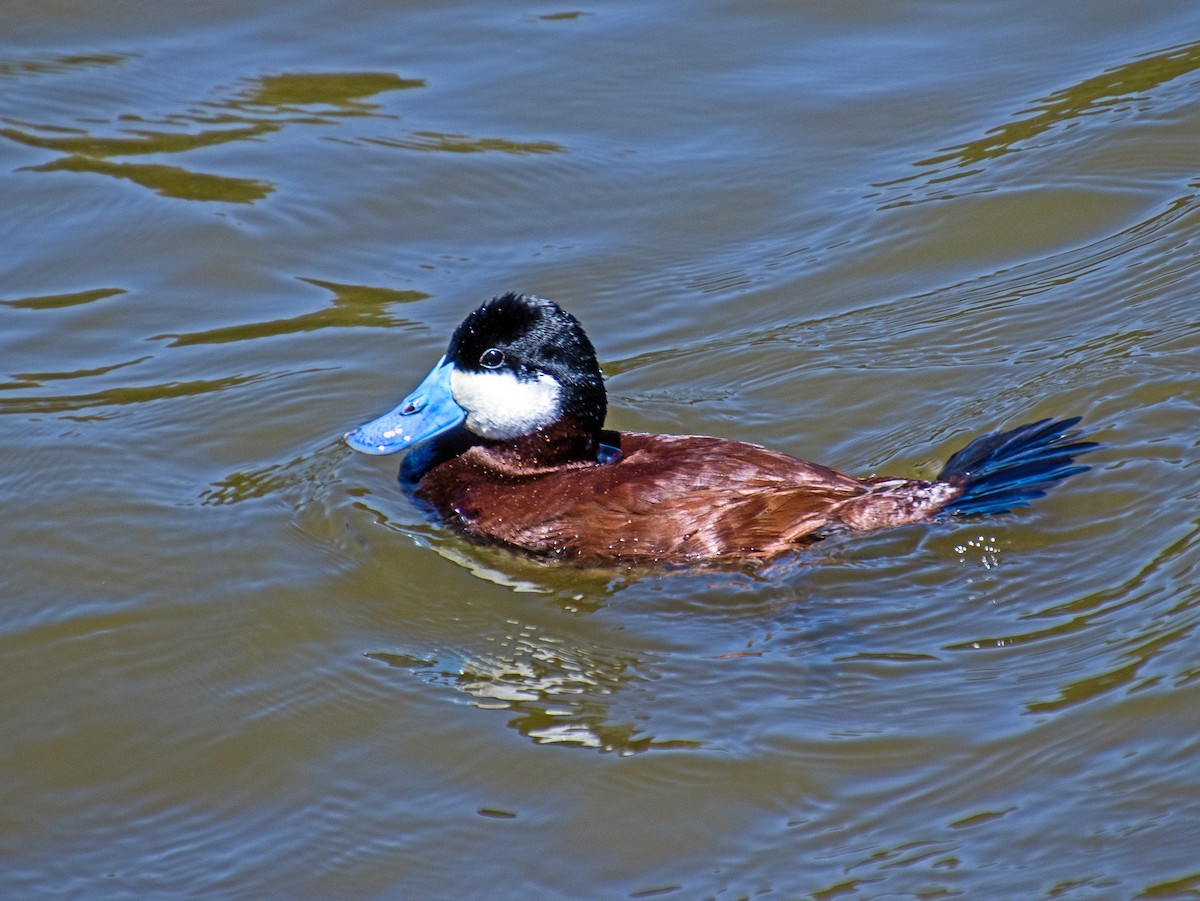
[[238, 663]]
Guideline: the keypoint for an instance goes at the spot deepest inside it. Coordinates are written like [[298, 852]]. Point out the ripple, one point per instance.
[[35, 379], [265, 108], [313, 472], [167, 181], [457, 143], [59, 301], [126, 395], [555, 693], [341, 89], [354, 306], [82, 145], [1122, 90], [57, 64]]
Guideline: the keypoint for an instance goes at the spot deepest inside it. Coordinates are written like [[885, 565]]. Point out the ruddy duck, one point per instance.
[[521, 458]]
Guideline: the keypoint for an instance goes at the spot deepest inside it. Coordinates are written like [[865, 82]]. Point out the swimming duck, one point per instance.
[[510, 446]]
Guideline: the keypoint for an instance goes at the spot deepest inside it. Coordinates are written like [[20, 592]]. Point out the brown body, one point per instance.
[[669, 498]]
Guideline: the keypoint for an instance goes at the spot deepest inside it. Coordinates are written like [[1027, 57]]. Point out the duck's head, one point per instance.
[[516, 366]]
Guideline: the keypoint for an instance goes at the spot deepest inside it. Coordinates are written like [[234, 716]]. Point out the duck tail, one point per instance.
[[999, 472]]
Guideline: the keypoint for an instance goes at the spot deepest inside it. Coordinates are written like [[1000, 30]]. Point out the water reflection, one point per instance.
[[313, 470], [166, 181], [560, 693], [1136, 652], [354, 306], [1110, 90], [556, 689], [133, 394], [264, 107], [347, 90], [1126, 656], [1114, 90], [457, 143], [55, 65], [81, 144], [269, 105], [58, 301], [35, 379]]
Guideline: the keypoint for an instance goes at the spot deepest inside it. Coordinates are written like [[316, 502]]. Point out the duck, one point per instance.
[[507, 444]]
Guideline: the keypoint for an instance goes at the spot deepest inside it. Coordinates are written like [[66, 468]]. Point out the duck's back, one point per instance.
[[668, 498]]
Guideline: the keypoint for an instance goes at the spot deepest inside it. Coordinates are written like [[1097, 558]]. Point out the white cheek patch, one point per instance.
[[501, 406]]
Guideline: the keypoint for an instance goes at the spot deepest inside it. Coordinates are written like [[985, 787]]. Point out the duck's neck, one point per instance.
[[564, 444]]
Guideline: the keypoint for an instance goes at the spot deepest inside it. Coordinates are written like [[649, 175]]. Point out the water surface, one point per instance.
[[239, 663]]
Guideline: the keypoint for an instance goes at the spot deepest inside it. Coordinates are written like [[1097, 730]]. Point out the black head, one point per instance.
[[528, 339]]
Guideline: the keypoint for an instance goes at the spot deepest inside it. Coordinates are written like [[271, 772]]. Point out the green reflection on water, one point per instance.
[[142, 142], [1109, 90], [270, 95], [353, 306], [455, 143], [34, 379], [57, 64], [332, 88], [1186, 886], [1084, 98], [85, 152], [122, 396], [58, 301], [169, 181], [1138, 650], [563, 17]]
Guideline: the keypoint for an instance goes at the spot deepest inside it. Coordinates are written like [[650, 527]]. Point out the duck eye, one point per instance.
[[491, 358]]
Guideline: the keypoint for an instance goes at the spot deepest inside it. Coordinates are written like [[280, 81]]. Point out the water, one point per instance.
[[239, 664]]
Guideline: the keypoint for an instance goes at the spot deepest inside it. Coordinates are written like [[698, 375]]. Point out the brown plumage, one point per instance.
[[668, 499]]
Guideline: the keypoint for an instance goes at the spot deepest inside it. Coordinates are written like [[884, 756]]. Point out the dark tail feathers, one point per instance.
[[1009, 469]]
